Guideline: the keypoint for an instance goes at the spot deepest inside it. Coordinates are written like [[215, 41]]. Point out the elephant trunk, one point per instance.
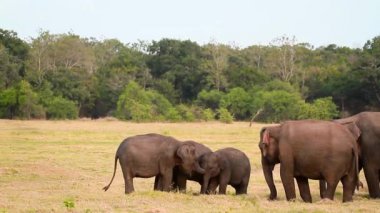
[[268, 174], [206, 179], [198, 168]]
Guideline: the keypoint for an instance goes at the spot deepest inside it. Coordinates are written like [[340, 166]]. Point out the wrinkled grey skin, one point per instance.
[[369, 147], [353, 128], [180, 176], [152, 155], [224, 167], [319, 150]]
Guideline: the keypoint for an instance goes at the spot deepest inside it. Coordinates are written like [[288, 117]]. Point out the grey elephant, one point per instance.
[[320, 150], [369, 147], [152, 155], [180, 176], [353, 128], [228, 166]]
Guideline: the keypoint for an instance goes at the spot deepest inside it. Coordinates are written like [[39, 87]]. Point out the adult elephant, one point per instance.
[[320, 150], [152, 155], [180, 176], [369, 147]]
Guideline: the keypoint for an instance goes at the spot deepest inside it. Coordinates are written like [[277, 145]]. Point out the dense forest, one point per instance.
[[65, 76]]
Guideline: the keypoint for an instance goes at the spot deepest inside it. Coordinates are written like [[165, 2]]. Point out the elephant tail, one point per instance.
[[356, 163], [113, 176]]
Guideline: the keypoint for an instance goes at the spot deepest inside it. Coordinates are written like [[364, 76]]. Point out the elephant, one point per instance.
[[369, 147], [309, 149], [151, 155], [353, 128], [180, 176], [228, 166]]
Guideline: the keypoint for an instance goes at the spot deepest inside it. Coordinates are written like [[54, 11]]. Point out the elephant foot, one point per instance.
[[325, 200], [347, 200], [272, 196]]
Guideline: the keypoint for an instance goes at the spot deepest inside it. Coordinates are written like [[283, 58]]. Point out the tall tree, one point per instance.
[[216, 62], [117, 65], [284, 57], [178, 62], [41, 58], [13, 54]]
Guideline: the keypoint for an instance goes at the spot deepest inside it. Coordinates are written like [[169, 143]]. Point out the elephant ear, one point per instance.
[[185, 151], [354, 129], [265, 141], [221, 161], [266, 137]]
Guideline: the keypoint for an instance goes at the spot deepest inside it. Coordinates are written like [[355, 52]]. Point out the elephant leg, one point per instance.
[[175, 184], [349, 184], [330, 190], [287, 178], [223, 181], [158, 183], [372, 177], [128, 177], [167, 178], [180, 182], [322, 188], [303, 185], [242, 188], [213, 184]]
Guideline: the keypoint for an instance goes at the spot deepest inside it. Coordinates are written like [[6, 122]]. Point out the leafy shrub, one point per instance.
[[238, 102], [160, 106], [8, 102], [209, 99], [225, 116], [140, 112], [277, 105], [208, 115], [185, 112], [322, 109], [20, 101], [172, 115], [132, 97], [137, 104], [279, 86], [61, 108]]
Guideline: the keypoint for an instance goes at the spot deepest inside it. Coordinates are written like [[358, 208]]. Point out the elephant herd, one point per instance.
[[328, 151], [173, 162]]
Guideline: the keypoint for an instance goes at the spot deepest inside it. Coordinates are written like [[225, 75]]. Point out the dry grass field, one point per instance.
[[60, 166]]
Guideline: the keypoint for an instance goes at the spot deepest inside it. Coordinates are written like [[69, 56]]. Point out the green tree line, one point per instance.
[[65, 76]]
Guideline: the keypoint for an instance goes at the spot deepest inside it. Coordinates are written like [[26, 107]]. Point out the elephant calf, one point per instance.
[[153, 155], [224, 167], [180, 176]]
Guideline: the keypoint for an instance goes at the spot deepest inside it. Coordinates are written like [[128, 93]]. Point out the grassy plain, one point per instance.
[[59, 166]]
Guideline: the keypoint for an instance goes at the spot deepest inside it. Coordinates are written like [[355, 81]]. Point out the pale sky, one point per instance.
[[241, 22]]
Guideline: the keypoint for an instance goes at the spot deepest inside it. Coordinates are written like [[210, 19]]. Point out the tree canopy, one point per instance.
[[65, 76]]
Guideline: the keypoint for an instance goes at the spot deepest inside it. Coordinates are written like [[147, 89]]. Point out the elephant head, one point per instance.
[[269, 143], [213, 164], [187, 158], [269, 148]]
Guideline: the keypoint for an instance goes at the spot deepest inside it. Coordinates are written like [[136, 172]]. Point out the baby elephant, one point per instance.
[[225, 166]]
